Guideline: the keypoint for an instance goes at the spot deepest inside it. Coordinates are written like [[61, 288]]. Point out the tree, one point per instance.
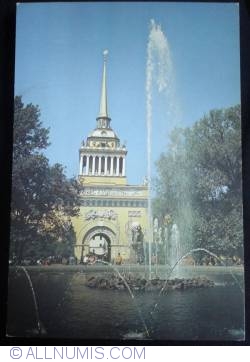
[[199, 183], [43, 199]]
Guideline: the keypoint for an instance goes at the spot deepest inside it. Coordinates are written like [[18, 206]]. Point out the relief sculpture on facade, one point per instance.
[[112, 192], [102, 214]]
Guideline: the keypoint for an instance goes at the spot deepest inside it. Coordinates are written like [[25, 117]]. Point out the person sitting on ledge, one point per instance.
[[118, 259]]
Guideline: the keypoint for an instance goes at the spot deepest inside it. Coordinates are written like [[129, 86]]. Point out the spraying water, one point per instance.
[[175, 252], [159, 73], [190, 252], [39, 324], [130, 293]]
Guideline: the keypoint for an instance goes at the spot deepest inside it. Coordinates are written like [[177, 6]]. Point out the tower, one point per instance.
[[102, 159], [111, 209]]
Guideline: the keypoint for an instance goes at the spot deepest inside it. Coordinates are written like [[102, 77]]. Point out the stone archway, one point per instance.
[[99, 240]]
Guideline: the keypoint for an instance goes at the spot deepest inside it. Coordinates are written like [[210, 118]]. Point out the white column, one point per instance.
[[99, 165], [87, 165], [105, 165], [123, 166], [111, 166], [93, 166], [81, 161]]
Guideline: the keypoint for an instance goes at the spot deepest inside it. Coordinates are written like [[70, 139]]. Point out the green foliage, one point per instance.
[[199, 183], [43, 199]]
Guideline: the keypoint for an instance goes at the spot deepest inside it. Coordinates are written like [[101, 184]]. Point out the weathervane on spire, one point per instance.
[[105, 54]]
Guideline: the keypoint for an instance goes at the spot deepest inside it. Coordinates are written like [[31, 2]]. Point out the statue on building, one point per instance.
[[137, 243]]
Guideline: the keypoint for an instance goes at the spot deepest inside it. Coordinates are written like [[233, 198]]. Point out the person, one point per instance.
[[118, 259], [92, 258], [85, 260], [72, 260], [153, 259]]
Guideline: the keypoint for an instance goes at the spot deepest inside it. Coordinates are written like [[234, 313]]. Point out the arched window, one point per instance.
[[90, 164], [96, 164], [115, 165], [84, 161], [102, 165], [120, 165], [108, 165]]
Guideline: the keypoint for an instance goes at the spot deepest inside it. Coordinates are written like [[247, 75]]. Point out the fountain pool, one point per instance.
[[69, 309]]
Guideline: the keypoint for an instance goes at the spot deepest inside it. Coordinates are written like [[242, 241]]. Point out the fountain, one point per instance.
[[175, 245], [40, 329], [39, 325], [159, 75], [125, 283]]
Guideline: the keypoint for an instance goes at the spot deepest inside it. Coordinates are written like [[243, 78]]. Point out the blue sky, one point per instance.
[[59, 67]]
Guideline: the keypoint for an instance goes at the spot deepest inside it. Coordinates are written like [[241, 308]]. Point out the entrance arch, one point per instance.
[[100, 245], [99, 241]]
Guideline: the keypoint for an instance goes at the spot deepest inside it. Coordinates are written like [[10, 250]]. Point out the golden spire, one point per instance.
[[103, 113]]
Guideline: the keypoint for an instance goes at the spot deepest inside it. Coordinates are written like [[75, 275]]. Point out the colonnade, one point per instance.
[[102, 165]]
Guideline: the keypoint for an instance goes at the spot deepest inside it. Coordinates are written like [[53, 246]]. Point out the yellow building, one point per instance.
[[112, 213]]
